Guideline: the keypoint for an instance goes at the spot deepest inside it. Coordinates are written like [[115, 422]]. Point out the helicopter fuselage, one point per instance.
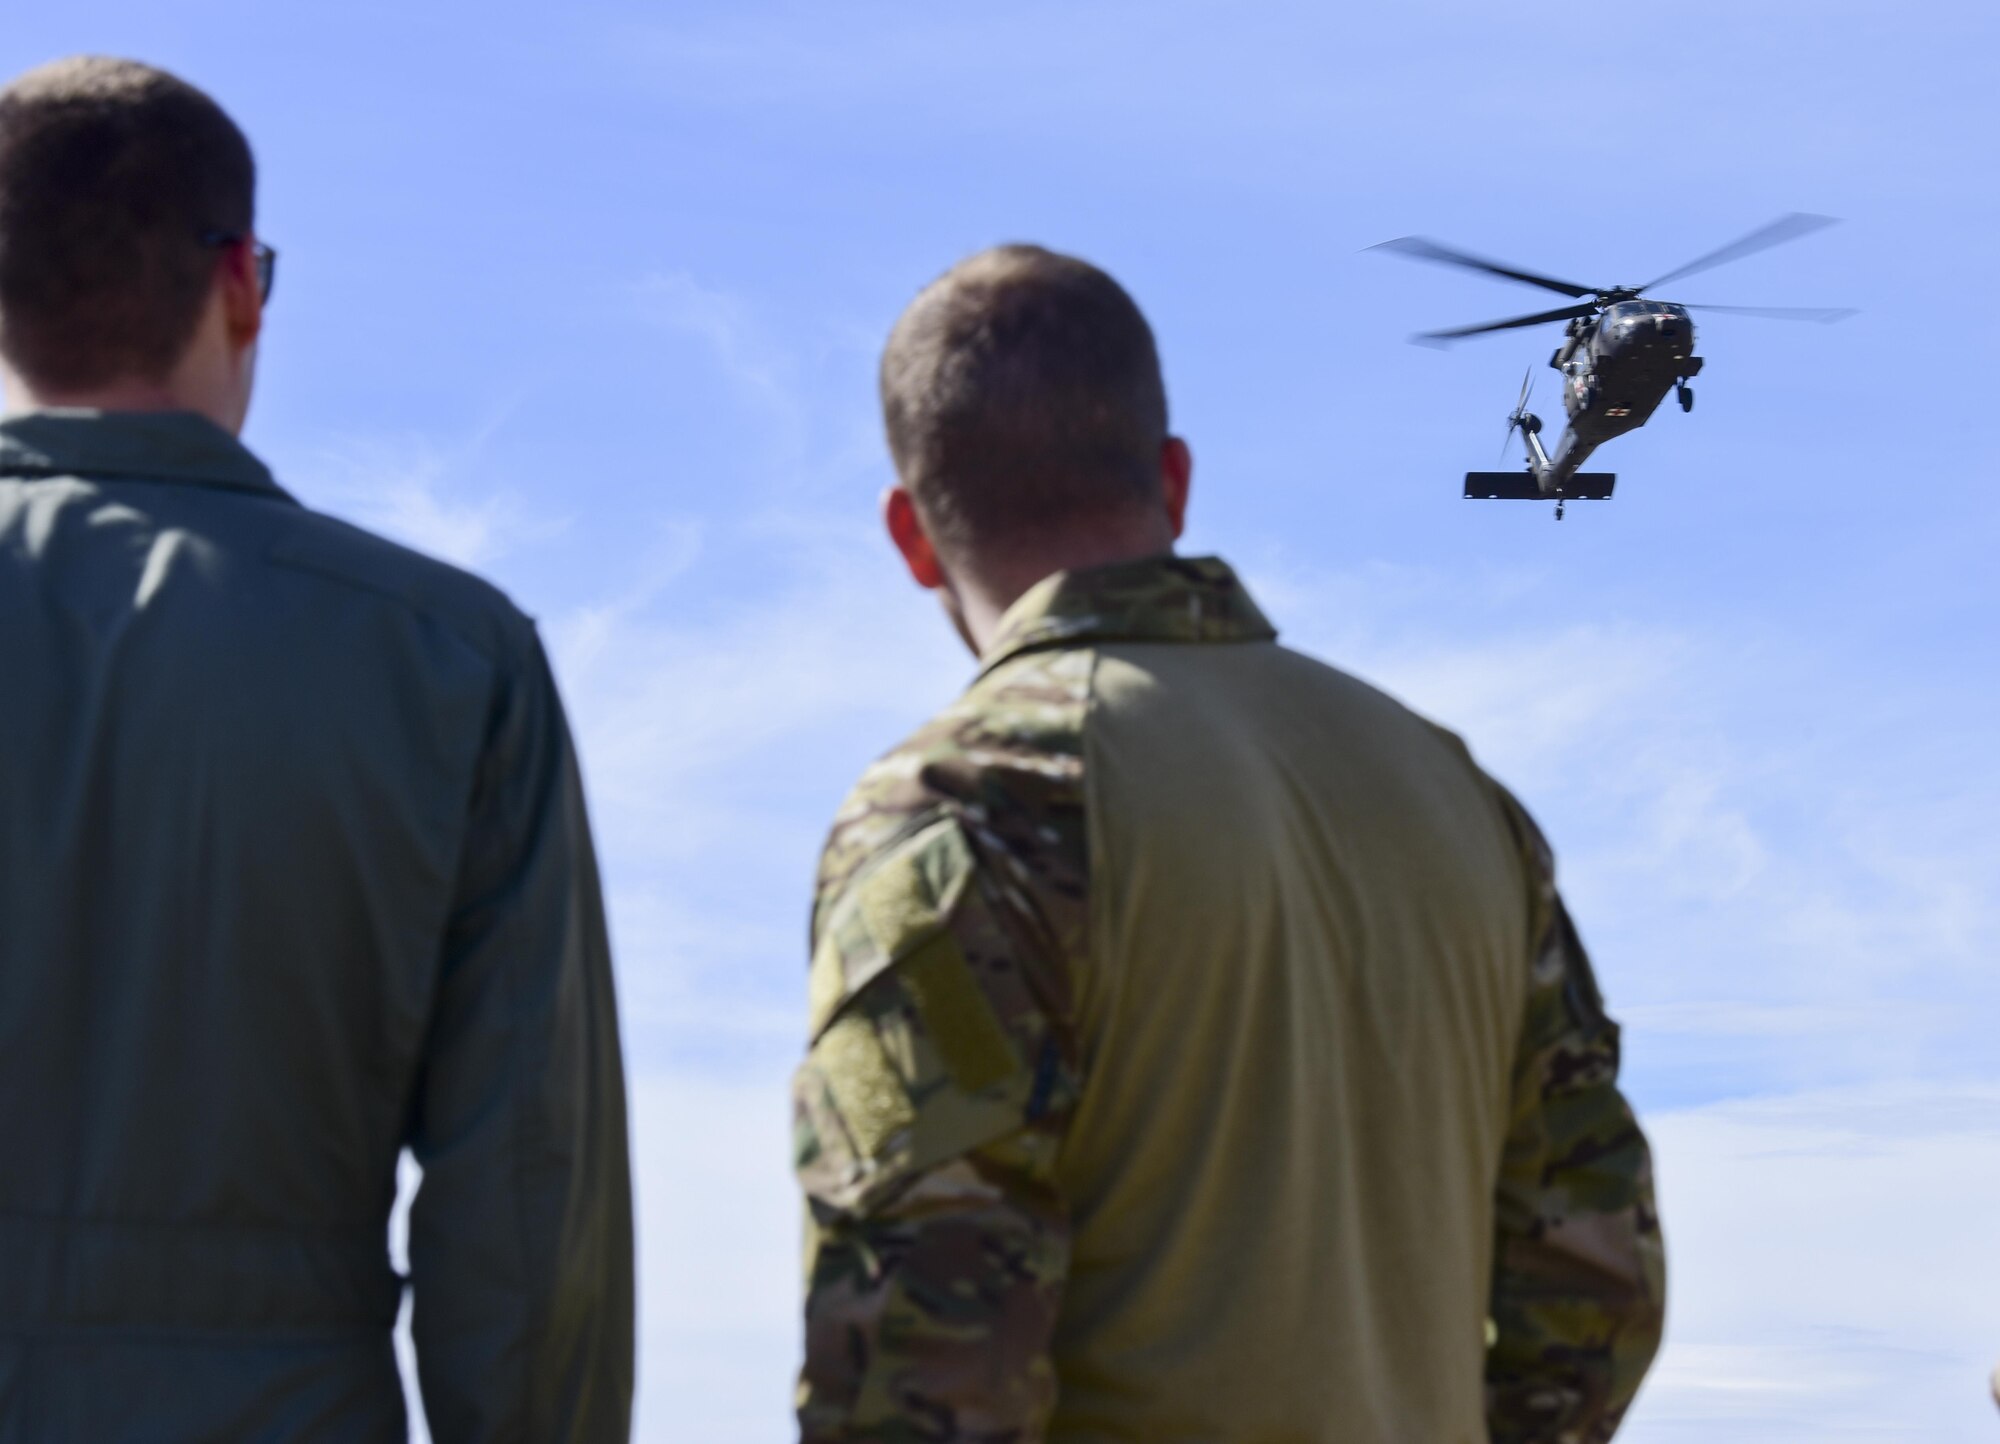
[[1617, 368]]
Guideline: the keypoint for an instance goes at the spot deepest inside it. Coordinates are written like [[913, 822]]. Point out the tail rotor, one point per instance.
[[1521, 419]]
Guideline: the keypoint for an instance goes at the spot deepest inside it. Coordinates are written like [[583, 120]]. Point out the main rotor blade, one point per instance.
[[1784, 228], [1441, 338], [1825, 315], [1417, 248]]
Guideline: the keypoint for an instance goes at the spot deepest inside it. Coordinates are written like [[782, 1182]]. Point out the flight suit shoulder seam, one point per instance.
[[292, 553]]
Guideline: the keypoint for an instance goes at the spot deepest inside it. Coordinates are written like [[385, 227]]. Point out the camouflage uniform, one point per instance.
[[956, 1024]]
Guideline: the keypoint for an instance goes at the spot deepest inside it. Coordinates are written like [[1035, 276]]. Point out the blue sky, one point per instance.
[[589, 298]]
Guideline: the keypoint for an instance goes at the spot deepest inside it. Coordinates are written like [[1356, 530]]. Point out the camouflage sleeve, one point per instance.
[[928, 1113], [1579, 1278]]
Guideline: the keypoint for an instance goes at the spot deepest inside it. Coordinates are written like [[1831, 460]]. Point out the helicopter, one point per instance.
[[1621, 353]]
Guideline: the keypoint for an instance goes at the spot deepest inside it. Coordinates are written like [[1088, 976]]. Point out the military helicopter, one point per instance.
[[1621, 352]]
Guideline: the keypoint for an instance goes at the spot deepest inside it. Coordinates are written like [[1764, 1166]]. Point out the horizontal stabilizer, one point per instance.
[[1502, 486], [1522, 486], [1589, 486]]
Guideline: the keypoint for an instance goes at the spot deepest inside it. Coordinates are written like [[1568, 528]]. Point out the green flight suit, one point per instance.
[[294, 873], [1201, 1052]]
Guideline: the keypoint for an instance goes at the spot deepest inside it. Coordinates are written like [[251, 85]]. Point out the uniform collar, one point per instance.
[[1159, 599], [170, 446]]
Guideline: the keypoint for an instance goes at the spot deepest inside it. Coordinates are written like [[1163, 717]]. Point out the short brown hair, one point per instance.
[[111, 174], [1022, 390]]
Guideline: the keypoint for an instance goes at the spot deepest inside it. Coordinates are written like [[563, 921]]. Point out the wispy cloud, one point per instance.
[[777, 370], [1832, 1268], [718, 1226], [754, 363], [719, 1260], [717, 741], [427, 495]]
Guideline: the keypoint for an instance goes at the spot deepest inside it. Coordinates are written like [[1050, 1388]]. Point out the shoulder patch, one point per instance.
[[898, 903], [896, 918]]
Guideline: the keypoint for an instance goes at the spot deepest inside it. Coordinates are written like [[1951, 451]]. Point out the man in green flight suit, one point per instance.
[[294, 874], [1200, 1049]]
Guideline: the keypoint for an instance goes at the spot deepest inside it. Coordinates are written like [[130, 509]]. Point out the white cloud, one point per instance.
[[670, 705], [777, 374], [716, 744], [719, 1257], [719, 1260], [1833, 1273], [424, 495]]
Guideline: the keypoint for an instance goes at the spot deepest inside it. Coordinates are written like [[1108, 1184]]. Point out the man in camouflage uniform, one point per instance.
[[1200, 1049]]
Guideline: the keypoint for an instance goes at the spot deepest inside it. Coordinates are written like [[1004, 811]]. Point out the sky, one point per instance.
[[589, 298]]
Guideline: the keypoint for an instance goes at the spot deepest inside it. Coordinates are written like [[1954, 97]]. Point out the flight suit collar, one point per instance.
[[1158, 599], [168, 446]]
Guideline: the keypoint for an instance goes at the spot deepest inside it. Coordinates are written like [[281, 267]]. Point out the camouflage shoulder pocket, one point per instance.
[[920, 1051]]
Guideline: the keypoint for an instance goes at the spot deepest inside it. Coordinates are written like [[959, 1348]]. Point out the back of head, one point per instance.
[[116, 180], [1023, 398]]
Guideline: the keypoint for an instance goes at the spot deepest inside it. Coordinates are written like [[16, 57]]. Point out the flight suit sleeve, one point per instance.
[[1579, 1278], [928, 1113], [521, 1231]]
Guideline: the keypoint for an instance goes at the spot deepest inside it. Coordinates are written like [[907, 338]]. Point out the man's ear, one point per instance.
[[906, 530], [242, 297], [1176, 476]]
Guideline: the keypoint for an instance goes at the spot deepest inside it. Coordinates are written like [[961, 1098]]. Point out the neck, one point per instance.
[[127, 395], [984, 587], [210, 379]]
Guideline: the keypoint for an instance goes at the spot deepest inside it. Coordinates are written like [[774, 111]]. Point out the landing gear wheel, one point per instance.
[[1687, 397]]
